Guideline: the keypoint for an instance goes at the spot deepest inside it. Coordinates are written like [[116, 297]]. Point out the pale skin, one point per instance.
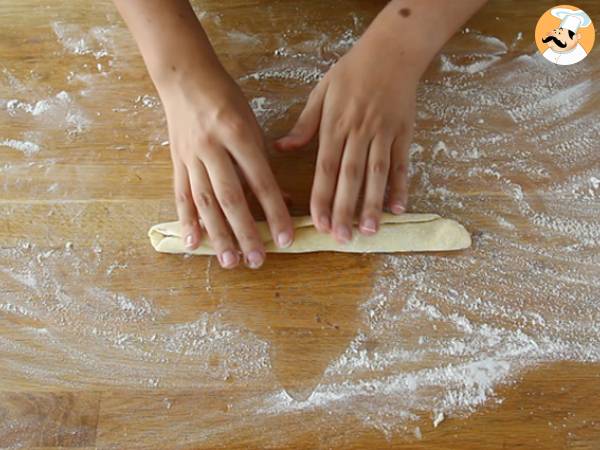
[[364, 120]]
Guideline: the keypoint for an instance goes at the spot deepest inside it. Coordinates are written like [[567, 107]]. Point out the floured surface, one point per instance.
[[386, 345]]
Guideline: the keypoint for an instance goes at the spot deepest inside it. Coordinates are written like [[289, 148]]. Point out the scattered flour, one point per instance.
[[510, 304], [268, 110], [87, 322], [505, 223], [482, 63], [27, 148], [38, 108], [437, 335], [239, 37], [301, 74], [438, 419], [96, 41], [308, 61], [60, 111], [148, 101]]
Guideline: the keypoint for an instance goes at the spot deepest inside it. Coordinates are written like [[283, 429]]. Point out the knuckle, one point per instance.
[[402, 128], [356, 120], [380, 167], [363, 131], [183, 197], [204, 142], [399, 168], [188, 223], [230, 199], [362, 126], [380, 126], [352, 171], [205, 200], [327, 167], [343, 124], [318, 204], [233, 126]]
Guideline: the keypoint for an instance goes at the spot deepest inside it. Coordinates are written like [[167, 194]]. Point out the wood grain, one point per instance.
[[35, 419], [69, 376]]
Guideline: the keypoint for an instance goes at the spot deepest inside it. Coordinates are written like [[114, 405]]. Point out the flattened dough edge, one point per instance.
[[403, 233]]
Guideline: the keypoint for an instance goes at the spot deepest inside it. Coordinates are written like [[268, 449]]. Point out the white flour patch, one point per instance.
[[268, 110], [12, 82], [505, 223], [303, 75], [307, 61], [98, 327], [148, 101], [487, 51], [60, 111], [26, 147], [96, 41], [480, 64], [38, 108], [239, 37]]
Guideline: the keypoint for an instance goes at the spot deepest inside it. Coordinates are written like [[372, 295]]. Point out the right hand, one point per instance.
[[212, 127]]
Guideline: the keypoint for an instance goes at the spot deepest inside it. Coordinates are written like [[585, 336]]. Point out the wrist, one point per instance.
[[170, 72], [416, 30], [397, 52], [202, 88]]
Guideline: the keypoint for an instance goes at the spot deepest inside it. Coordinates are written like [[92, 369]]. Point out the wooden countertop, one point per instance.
[[106, 344]]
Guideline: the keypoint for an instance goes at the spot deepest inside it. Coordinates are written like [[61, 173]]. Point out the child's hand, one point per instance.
[[212, 127], [364, 109]]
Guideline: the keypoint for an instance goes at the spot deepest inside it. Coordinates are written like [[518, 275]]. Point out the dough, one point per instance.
[[404, 233]]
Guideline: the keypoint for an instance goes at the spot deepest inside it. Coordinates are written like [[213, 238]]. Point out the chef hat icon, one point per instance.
[[571, 20]]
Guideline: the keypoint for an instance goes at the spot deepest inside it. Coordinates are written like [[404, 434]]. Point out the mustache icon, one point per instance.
[[555, 40]]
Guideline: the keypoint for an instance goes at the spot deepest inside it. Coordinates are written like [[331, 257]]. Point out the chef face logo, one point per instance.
[[561, 40], [565, 35]]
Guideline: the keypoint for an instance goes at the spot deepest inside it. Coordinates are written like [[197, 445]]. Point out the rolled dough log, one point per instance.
[[404, 233]]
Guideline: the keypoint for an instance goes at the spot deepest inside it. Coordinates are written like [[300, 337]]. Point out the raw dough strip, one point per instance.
[[404, 233]]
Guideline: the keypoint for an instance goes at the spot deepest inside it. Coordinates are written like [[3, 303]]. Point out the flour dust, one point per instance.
[[438, 335]]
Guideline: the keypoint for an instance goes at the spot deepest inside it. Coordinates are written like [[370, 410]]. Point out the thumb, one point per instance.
[[308, 122]]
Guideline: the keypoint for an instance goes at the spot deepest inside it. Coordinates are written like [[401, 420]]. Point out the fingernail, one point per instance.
[[369, 226], [228, 259], [254, 259], [325, 223], [284, 239], [398, 207], [189, 241], [344, 233]]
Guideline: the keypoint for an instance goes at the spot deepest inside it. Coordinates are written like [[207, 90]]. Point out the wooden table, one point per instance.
[[106, 344]]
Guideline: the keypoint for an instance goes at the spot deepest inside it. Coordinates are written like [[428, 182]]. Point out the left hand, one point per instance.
[[364, 110]]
